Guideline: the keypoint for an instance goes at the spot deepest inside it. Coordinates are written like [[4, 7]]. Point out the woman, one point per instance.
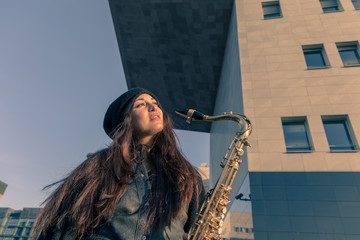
[[140, 187]]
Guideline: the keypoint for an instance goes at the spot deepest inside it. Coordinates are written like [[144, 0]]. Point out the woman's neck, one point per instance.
[[147, 141]]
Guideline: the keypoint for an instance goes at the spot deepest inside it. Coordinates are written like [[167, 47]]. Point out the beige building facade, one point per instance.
[[238, 225], [204, 171], [278, 83], [293, 68]]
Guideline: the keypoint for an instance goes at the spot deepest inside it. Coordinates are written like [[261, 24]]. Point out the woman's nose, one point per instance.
[[152, 106]]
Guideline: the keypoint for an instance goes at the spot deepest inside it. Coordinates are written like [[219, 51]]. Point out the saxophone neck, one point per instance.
[[243, 122]]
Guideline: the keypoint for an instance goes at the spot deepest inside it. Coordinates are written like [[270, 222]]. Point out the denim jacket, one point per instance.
[[129, 219]]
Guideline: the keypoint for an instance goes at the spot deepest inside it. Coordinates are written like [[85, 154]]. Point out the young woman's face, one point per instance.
[[147, 118]]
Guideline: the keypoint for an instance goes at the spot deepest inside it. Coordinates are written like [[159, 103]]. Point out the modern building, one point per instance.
[[2, 189], [204, 171], [17, 224], [293, 68], [238, 225]]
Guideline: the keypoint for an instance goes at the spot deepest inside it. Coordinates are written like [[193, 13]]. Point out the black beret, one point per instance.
[[119, 108]]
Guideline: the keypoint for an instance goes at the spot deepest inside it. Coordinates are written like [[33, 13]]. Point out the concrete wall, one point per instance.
[[229, 98], [277, 83]]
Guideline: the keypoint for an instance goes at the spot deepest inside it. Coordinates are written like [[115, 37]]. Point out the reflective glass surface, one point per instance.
[[296, 137], [350, 57], [330, 9], [356, 4], [271, 10], [314, 59], [337, 135], [329, 5], [273, 15]]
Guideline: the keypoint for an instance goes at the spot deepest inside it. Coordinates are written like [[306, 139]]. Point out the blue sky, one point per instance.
[[60, 68]]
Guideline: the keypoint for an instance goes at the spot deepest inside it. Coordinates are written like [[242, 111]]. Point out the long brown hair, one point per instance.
[[88, 196]]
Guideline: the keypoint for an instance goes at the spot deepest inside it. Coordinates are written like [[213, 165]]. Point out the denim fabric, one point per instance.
[[129, 219]]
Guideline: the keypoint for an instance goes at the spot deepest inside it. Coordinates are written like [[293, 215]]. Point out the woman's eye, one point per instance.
[[139, 105]]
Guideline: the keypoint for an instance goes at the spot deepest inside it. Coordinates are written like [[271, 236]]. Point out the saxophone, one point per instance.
[[208, 224]]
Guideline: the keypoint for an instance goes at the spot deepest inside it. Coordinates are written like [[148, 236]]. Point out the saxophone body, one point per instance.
[[208, 224]]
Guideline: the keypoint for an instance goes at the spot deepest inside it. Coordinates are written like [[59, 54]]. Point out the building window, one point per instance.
[[27, 231], [19, 231], [349, 53], [339, 133], [30, 223], [22, 222], [9, 231], [330, 6], [315, 56], [13, 222], [356, 4], [271, 9], [297, 135]]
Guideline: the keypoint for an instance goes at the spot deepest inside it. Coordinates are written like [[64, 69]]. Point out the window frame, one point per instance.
[[356, 4], [348, 128], [265, 7], [326, 4], [316, 48], [300, 120], [9, 230], [347, 46]]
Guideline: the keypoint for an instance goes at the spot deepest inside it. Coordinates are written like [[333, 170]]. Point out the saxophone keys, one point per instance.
[[239, 151], [236, 166]]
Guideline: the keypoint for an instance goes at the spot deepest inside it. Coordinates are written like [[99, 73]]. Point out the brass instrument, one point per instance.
[[208, 224]]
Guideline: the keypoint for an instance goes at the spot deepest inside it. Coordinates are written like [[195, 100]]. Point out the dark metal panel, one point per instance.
[[175, 49], [319, 205]]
